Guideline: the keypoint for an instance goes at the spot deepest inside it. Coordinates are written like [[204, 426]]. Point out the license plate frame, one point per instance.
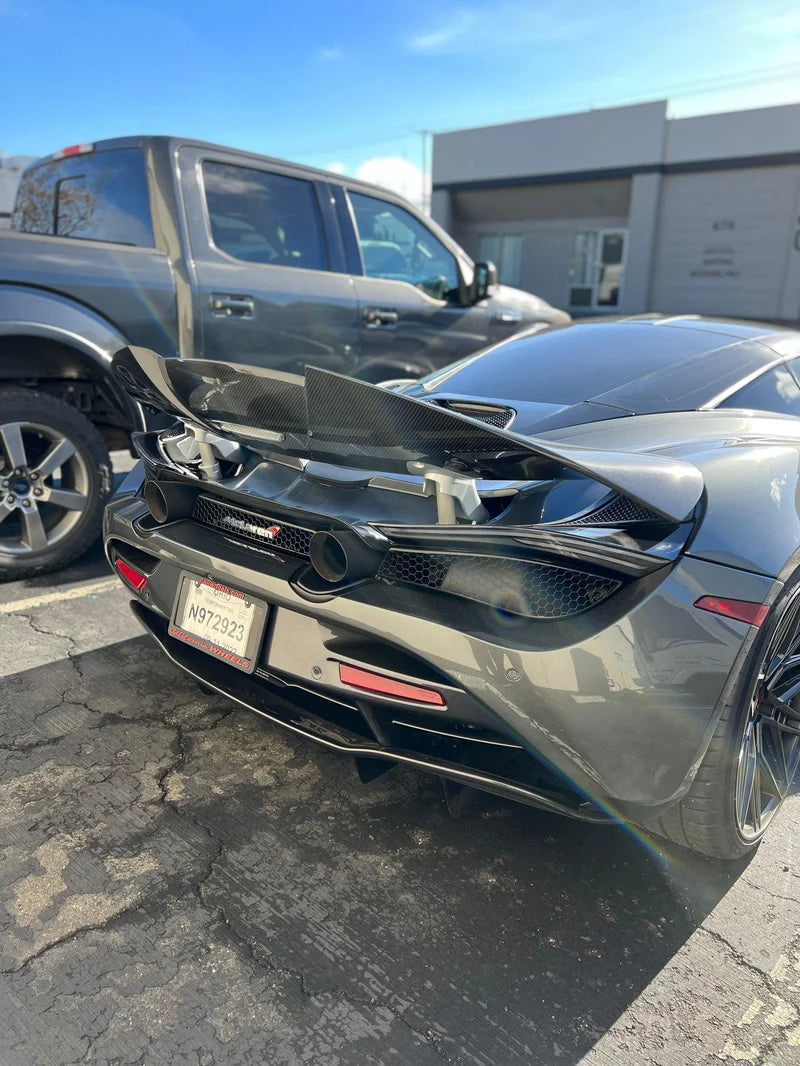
[[246, 661]]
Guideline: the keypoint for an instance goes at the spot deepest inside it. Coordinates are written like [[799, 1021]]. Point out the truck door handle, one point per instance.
[[373, 317], [226, 305], [508, 318]]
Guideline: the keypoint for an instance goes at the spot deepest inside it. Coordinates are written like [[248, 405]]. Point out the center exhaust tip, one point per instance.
[[156, 501], [168, 501], [343, 556], [328, 557]]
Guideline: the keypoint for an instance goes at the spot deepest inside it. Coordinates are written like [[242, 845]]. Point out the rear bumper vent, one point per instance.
[[513, 586], [252, 526]]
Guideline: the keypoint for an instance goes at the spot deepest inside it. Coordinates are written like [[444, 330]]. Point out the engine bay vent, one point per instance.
[[620, 509], [492, 414]]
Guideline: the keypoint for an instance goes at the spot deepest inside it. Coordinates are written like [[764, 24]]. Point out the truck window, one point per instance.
[[398, 247], [264, 218], [95, 196]]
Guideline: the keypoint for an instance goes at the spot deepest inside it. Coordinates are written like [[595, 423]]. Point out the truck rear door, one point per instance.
[[270, 285]]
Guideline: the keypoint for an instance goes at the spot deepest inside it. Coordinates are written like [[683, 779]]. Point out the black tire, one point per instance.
[[706, 820], [73, 528]]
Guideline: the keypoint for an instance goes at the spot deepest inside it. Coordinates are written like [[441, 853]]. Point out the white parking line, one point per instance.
[[75, 593]]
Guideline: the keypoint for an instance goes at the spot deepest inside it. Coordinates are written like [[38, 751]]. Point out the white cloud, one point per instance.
[[776, 24], [503, 26], [331, 53], [395, 173], [336, 167], [440, 39]]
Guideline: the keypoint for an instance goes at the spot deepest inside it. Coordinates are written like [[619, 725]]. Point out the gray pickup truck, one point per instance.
[[193, 249]]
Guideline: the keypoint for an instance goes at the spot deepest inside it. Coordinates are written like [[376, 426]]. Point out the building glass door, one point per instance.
[[597, 269]]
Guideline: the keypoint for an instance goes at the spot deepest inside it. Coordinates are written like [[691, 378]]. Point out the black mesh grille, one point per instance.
[[620, 509], [516, 586], [499, 417], [252, 526]]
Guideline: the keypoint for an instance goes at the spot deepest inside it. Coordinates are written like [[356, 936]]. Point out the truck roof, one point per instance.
[[173, 143]]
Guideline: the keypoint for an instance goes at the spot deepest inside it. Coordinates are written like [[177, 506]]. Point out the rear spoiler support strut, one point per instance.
[[208, 457], [451, 492]]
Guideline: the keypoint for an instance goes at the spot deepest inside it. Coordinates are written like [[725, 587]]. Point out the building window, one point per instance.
[[597, 269], [505, 251]]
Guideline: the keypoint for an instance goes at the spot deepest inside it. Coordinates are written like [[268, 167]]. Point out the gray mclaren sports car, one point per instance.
[[565, 570]]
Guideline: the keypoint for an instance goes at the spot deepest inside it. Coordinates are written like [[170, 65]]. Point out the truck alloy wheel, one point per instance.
[[54, 480]]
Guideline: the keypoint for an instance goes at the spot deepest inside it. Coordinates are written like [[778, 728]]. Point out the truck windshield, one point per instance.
[[95, 196]]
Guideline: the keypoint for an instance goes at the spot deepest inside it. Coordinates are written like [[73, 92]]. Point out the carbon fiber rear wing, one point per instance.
[[331, 418]]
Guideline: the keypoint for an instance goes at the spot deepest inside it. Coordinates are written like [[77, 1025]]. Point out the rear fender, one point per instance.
[[752, 516]]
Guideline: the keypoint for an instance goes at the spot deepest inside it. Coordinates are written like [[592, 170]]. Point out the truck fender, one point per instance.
[[29, 312]]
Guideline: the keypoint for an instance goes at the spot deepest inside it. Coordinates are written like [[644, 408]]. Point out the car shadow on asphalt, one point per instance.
[[91, 566], [507, 935]]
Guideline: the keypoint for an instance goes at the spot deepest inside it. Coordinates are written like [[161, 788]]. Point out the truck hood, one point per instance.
[[530, 306]]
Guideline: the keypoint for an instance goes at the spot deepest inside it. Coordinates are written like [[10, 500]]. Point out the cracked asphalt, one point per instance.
[[183, 883]]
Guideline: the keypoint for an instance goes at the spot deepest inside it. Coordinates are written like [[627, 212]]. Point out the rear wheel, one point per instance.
[[752, 762], [55, 478]]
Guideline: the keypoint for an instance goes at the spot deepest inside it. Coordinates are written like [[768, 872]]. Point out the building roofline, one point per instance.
[[559, 115]]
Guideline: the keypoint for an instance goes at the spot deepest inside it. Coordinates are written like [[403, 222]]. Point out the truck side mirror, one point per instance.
[[484, 281]]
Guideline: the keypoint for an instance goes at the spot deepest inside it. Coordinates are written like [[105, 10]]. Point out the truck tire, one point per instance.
[[55, 479], [754, 755]]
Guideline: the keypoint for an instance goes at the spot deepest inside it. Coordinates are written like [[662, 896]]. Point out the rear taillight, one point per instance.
[[134, 578], [387, 686], [73, 149], [742, 610]]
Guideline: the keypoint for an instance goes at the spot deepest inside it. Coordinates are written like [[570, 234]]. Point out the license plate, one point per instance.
[[219, 620]]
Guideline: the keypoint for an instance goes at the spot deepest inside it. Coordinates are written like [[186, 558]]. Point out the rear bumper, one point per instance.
[[620, 712]]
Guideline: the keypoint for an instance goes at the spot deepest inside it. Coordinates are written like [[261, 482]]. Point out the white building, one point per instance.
[[625, 210], [11, 167]]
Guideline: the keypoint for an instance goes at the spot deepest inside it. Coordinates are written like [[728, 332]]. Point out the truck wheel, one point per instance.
[[751, 764], [55, 478]]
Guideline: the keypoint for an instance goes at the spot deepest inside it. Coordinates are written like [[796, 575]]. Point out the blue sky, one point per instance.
[[350, 83]]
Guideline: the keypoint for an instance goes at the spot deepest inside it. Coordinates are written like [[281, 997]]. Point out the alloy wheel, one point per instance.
[[769, 753], [44, 487]]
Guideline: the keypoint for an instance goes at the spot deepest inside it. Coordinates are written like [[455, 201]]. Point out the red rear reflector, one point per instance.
[[387, 686], [136, 580], [742, 610]]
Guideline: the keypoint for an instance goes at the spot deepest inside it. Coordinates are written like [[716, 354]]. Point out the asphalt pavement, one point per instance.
[[184, 883]]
